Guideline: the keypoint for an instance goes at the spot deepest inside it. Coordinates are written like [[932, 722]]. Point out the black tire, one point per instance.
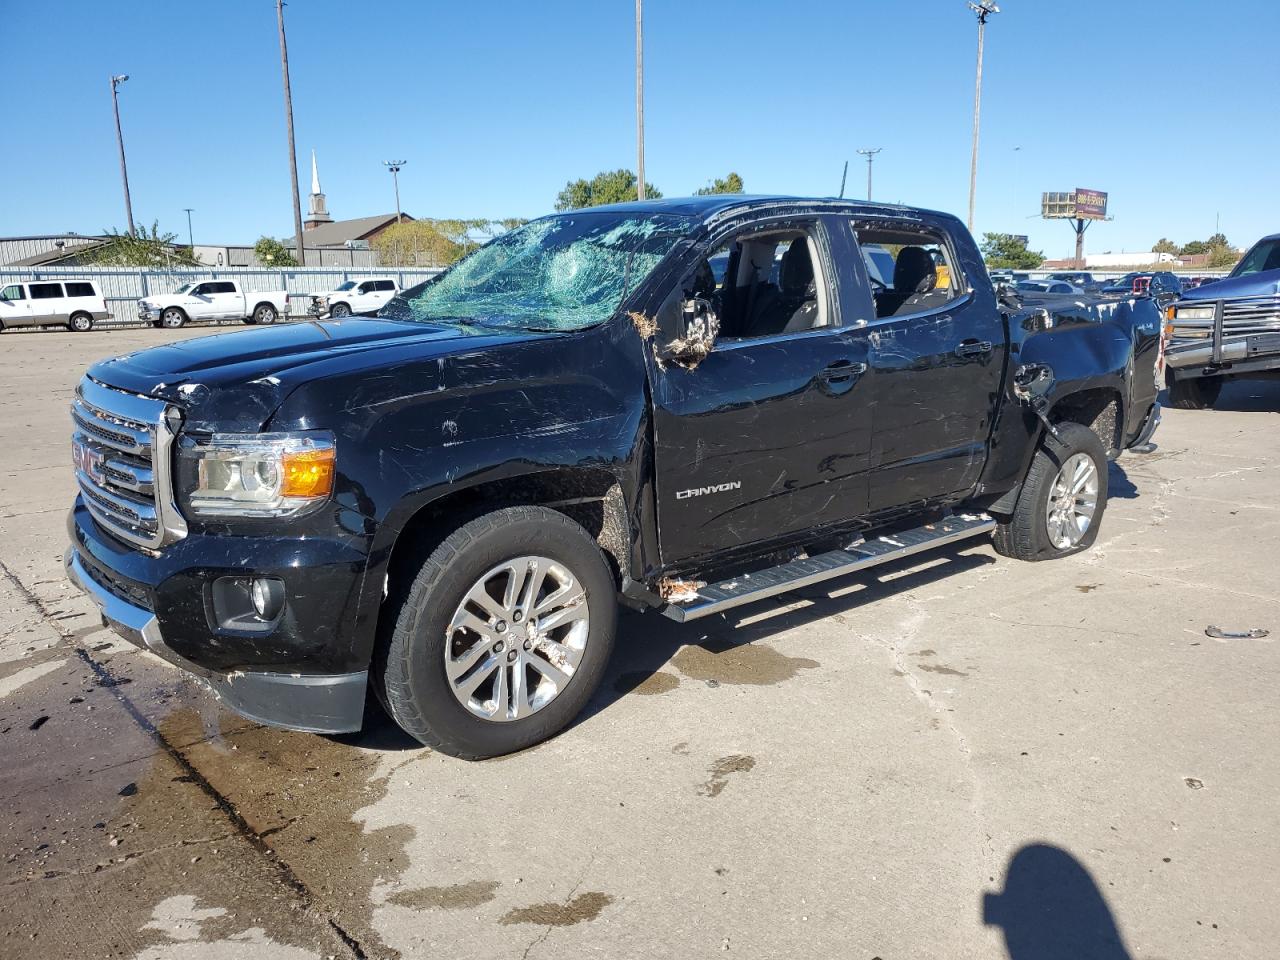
[[1193, 393], [409, 663], [1024, 535], [172, 318], [339, 311], [264, 313], [80, 323]]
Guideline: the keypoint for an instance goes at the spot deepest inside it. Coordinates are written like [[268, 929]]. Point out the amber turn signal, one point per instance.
[[307, 473]]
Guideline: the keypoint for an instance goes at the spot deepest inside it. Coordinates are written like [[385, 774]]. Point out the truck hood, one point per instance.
[[1263, 284], [236, 381]]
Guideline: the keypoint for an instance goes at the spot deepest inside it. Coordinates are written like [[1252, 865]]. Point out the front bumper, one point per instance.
[[151, 314], [141, 609]]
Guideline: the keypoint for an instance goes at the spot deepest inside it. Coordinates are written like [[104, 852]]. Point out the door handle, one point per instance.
[[840, 376], [972, 348]]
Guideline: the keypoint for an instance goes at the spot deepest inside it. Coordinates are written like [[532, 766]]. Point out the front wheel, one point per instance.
[[172, 318], [80, 323], [264, 313], [1193, 393], [1063, 498], [339, 311], [502, 636]]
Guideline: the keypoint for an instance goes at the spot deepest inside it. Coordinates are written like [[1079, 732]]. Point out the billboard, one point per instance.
[[1091, 204], [1083, 204]]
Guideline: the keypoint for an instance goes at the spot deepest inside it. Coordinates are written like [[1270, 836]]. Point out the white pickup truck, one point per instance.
[[212, 300], [360, 295]]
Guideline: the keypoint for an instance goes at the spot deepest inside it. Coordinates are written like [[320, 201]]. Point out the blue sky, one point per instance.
[[1168, 106]]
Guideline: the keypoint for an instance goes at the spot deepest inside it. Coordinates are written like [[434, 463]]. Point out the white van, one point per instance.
[[75, 304]]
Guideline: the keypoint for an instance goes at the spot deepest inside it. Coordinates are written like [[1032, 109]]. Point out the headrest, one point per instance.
[[914, 271]]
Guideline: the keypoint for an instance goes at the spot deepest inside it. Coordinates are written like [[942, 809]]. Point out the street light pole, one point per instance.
[[640, 191], [984, 9], [870, 154], [116, 80], [190, 241], [293, 155], [394, 166]]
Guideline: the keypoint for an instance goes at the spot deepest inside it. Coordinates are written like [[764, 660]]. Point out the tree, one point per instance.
[[730, 184], [1217, 240], [1220, 258], [423, 243], [273, 253], [608, 186], [1164, 245], [154, 249], [1194, 248], [1004, 250]]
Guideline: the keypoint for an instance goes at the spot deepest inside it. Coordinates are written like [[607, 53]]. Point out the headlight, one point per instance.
[[258, 475], [1193, 313]]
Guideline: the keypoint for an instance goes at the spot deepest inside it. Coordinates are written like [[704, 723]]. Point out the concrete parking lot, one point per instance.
[[962, 757]]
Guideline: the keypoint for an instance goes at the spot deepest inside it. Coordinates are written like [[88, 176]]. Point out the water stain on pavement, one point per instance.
[[646, 684], [753, 664], [459, 896], [585, 906], [942, 669], [720, 771]]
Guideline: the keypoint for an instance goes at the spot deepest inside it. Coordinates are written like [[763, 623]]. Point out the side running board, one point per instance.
[[719, 597]]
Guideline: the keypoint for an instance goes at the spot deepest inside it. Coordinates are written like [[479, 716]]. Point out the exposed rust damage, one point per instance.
[[679, 591]]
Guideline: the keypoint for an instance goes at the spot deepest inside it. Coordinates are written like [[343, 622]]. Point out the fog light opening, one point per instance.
[[267, 596]]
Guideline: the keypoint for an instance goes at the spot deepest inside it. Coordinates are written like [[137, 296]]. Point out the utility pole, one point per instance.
[[394, 166], [190, 242], [984, 9], [116, 80], [293, 156], [843, 177], [870, 154], [640, 192]]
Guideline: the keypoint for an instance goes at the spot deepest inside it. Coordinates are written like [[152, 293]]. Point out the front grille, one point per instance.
[[124, 589], [121, 449], [1240, 318]]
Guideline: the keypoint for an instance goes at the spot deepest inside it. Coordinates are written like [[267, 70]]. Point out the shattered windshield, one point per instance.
[[1264, 256], [564, 272]]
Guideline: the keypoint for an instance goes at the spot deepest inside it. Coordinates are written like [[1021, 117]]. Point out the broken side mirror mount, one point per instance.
[[1032, 383], [1038, 321], [699, 327]]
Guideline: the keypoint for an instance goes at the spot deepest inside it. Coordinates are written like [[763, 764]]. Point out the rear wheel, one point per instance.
[[264, 313], [340, 310], [1193, 393], [502, 636], [172, 318], [80, 323], [1063, 498]]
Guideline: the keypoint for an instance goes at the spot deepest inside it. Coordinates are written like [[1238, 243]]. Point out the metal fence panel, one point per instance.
[[122, 287]]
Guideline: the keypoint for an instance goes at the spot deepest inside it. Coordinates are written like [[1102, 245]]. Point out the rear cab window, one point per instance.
[[912, 267]]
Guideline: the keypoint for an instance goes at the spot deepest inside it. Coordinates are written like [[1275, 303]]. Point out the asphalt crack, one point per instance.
[[284, 873]]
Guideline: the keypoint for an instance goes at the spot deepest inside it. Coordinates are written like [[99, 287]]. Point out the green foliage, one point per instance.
[[273, 253], [1212, 246], [730, 184], [1194, 248], [1223, 257], [1165, 245], [437, 243], [155, 249], [608, 186], [1218, 240], [1005, 251]]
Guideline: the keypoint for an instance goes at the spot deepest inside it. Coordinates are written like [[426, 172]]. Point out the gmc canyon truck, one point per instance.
[[443, 506], [1226, 329]]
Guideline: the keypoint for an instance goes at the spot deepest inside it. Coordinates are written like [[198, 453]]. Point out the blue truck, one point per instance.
[[1226, 329]]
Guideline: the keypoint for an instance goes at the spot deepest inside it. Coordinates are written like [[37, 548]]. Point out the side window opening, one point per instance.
[[46, 291], [911, 270], [763, 284]]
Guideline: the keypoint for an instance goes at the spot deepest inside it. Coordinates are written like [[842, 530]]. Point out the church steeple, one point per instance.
[[317, 213]]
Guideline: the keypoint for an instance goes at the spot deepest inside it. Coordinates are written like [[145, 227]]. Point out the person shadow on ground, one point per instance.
[[1051, 909]]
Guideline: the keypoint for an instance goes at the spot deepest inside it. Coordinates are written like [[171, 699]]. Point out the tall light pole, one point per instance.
[[190, 241], [116, 80], [870, 154], [293, 155], [640, 193], [984, 9], [394, 166]]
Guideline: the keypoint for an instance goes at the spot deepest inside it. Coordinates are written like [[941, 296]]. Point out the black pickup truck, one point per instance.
[[682, 405]]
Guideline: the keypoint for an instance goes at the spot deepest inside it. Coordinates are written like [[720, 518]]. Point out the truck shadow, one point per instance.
[[1249, 396], [646, 643], [1052, 909], [1119, 486]]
